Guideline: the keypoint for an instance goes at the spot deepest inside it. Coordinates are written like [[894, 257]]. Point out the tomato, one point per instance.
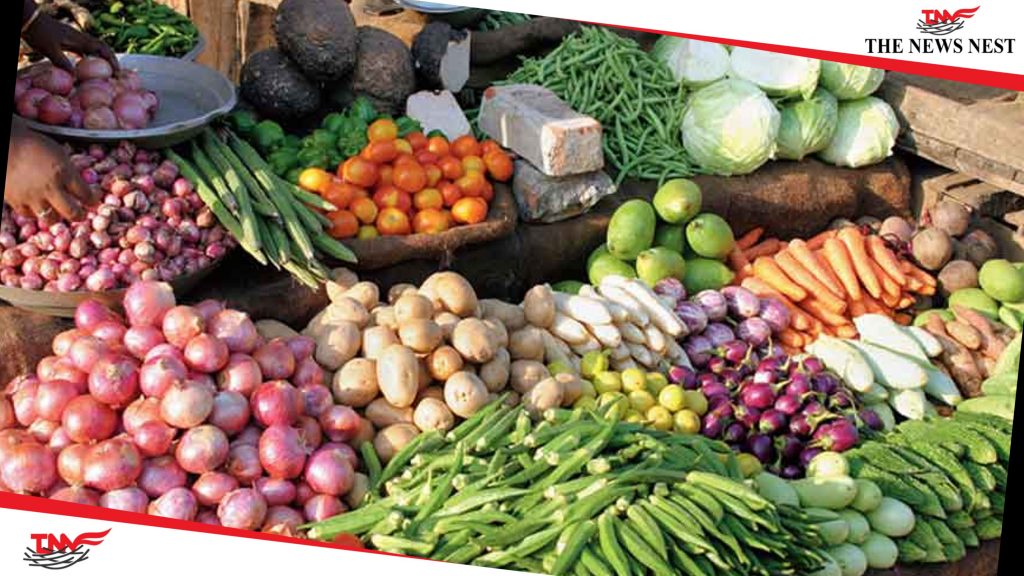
[[391, 197], [489, 146], [315, 179], [365, 210], [499, 165], [430, 221], [472, 184], [439, 146], [380, 152], [403, 146], [367, 232], [434, 174], [343, 224], [465, 145], [404, 158], [426, 157], [428, 198], [488, 192], [451, 194], [340, 193], [451, 167], [417, 140], [349, 541], [358, 171], [382, 130], [385, 175], [470, 211], [473, 164], [410, 177], [393, 222]]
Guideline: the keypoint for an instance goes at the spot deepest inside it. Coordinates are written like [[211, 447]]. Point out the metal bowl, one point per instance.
[[431, 7], [196, 50], [191, 97]]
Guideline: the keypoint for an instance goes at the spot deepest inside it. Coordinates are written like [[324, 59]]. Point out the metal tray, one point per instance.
[[431, 7], [191, 97]]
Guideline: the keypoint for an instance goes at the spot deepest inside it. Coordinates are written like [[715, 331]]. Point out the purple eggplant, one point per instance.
[[836, 436], [763, 376], [670, 288], [741, 303], [799, 426], [791, 472], [773, 422], [698, 348], [692, 315], [712, 426], [714, 388], [812, 365], [718, 333], [747, 415], [788, 404], [774, 313], [713, 303], [790, 447], [683, 376], [734, 351], [840, 399], [731, 378], [798, 385], [760, 396], [724, 411], [808, 454], [761, 447], [717, 365], [716, 401], [825, 383], [735, 433], [871, 419], [754, 331]]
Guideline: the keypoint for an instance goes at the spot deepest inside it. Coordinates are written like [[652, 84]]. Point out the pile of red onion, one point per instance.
[[93, 97], [150, 225], [183, 412]]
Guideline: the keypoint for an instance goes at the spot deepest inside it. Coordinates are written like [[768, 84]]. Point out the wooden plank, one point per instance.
[[217, 20]]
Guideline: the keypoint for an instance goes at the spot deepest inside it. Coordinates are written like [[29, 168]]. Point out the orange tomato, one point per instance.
[[315, 179], [367, 232], [385, 175], [451, 194], [426, 157], [430, 221], [488, 192], [404, 158], [434, 174], [340, 193], [499, 165], [428, 198], [417, 140], [470, 211], [438, 145], [410, 177], [403, 146], [465, 145], [382, 130], [451, 167], [391, 197], [380, 152], [489, 146], [472, 184], [393, 222], [359, 193], [349, 541], [358, 171], [473, 164], [343, 224], [365, 210]]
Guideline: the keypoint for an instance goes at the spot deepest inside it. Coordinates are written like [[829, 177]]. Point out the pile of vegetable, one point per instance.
[[999, 390], [276, 223], [496, 19], [575, 490], [93, 97], [151, 225], [144, 27], [181, 411]]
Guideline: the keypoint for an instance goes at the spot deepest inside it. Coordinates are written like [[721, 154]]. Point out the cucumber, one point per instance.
[[858, 526], [895, 371], [776, 489], [833, 493], [883, 332], [834, 532]]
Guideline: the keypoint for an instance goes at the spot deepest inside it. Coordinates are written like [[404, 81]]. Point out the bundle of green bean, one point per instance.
[[634, 96], [577, 493], [276, 222], [951, 471], [497, 19], [145, 27]]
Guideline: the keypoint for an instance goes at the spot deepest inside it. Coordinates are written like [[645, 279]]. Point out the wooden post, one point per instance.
[[219, 22]]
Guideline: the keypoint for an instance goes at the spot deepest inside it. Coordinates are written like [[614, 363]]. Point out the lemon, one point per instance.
[[686, 422], [656, 382], [660, 418], [594, 363], [695, 400], [607, 382], [641, 400], [634, 379], [672, 397]]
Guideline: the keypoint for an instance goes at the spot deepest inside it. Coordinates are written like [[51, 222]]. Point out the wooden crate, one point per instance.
[[996, 210]]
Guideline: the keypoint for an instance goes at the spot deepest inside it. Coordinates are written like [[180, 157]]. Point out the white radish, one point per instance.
[[554, 349], [591, 345], [641, 354], [568, 329], [620, 352], [630, 333], [637, 314], [655, 340], [582, 308], [607, 334], [623, 365], [662, 316], [619, 314]]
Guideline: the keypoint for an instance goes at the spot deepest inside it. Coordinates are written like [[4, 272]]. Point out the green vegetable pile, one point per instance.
[[951, 472], [340, 136], [145, 27], [576, 493], [496, 19], [633, 95], [275, 222]]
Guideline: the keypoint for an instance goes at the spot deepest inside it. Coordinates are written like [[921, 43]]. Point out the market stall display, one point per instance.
[[146, 27]]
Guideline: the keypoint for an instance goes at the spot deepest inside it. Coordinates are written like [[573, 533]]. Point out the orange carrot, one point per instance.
[[830, 331], [854, 242], [857, 309], [799, 250], [915, 272], [889, 286], [830, 273], [819, 310], [889, 300], [847, 332], [886, 259], [750, 238], [905, 302], [839, 259], [914, 285], [818, 241], [767, 247], [903, 319], [815, 331], [875, 307], [790, 337], [806, 280], [739, 263], [801, 321], [768, 270]]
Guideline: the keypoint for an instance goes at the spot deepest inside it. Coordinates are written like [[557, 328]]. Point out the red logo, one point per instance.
[[941, 22], [58, 551]]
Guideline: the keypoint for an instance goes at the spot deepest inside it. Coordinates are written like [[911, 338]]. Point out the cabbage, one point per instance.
[[865, 133], [807, 125], [692, 62], [848, 81], [779, 75], [729, 127]]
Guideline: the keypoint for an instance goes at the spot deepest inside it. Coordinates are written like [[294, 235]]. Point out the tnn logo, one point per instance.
[[58, 551], [941, 16]]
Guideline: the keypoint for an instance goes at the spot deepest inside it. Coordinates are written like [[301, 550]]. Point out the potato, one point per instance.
[[526, 344], [547, 394], [423, 378], [355, 384], [316, 327], [452, 292], [496, 372], [384, 316], [413, 307], [347, 309], [444, 362], [270, 329], [398, 375], [383, 414], [431, 392], [510, 315], [366, 293], [447, 322], [421, 335], [465, 394], [474, 340], [539, 306], [498, 330], [525, 374], [572, 388], [376, 340], [433, 414], [392, 439], [360, 486], [344, 277], [338, 345], [399, 290], [365, 433]]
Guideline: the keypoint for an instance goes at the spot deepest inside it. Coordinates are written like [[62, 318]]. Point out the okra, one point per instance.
[[638, 548], [574, 546]]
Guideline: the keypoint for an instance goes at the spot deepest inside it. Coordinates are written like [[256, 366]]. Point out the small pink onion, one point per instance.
[[202, 449], [146, 303], [93, 68], [276, 402], [321, 507], [154, 438], [177, 503], [139, 340], [139, 412], [235, 329], [316, 399], [86, 419], [90, 313], [129, 499], [241, 374], [160, 475], [328, 472], [230, 412], [52, 396], [277, 492], [281, 452], [70, 462], [309, 430], [275, 359], [186, 405], [340, 423], [114, 380], [112, 464], [243, 508], [206, 354], [181, 324], [211, 487], [110, 332], [244, 464], [161, 373]]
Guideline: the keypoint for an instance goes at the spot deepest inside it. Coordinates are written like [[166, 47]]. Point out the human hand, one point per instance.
[[53, 38], [41, 180]]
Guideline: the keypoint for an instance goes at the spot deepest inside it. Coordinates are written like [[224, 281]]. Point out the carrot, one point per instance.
[[847, 332], [799, 250], [819, 310], [854, 242], [914, 285], [903, 319], [750, 238], [886, 259], [814, 331], [768, 270], [790, 337], [739, 263], [905, 302], [767, 247], [921, 276], [857, 309], [830, 273], [818, 241], [875, 307], [801, 321], [806, 280], [890, 300], [839, 259], [889, 286]]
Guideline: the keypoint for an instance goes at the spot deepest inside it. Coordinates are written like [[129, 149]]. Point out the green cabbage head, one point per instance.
[[850, 82], [807, 125], [865, 133], [693, 62], [779, 75], [729, 127]]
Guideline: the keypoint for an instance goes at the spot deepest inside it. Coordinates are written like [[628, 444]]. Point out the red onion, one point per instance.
[[70, 463], [54, 110], [129, 499], [230, 412], [59, 440], [316, 399], [90, 97], [211, 487], [181, 324], [244, 464], [186, 405], [65, 370], [139, 340], [86, 419], [244, 508], [207, 354], [168, 350], [24, 402], [100, 118], [41, 430], [250, 436], [235, 329], [29, 467], [9, 439], [86, 352], [93, 68], [208, 517], [202, 449], [177, 503], [275, 359], [62, 342], [277, 492], [309, 430], [21, 85], [77, 495], [146, 303], [114, 380], [340, 423], [321, 507], [282, 518], [204, 380], [276, 402], [112, 464], [308, 373], [303, 493], [242, 374], [328, 472], [54, 80], [131, 111], [281, 451], [160, 374], [7, 417], [160, 475], [139, 412], [51, 397], [45, 368], [28, 105], [154, 438], [345, 450], [302, 347]]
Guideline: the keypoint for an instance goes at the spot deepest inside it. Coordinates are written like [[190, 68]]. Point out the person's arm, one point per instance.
[[51, 38], [40, 177]]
